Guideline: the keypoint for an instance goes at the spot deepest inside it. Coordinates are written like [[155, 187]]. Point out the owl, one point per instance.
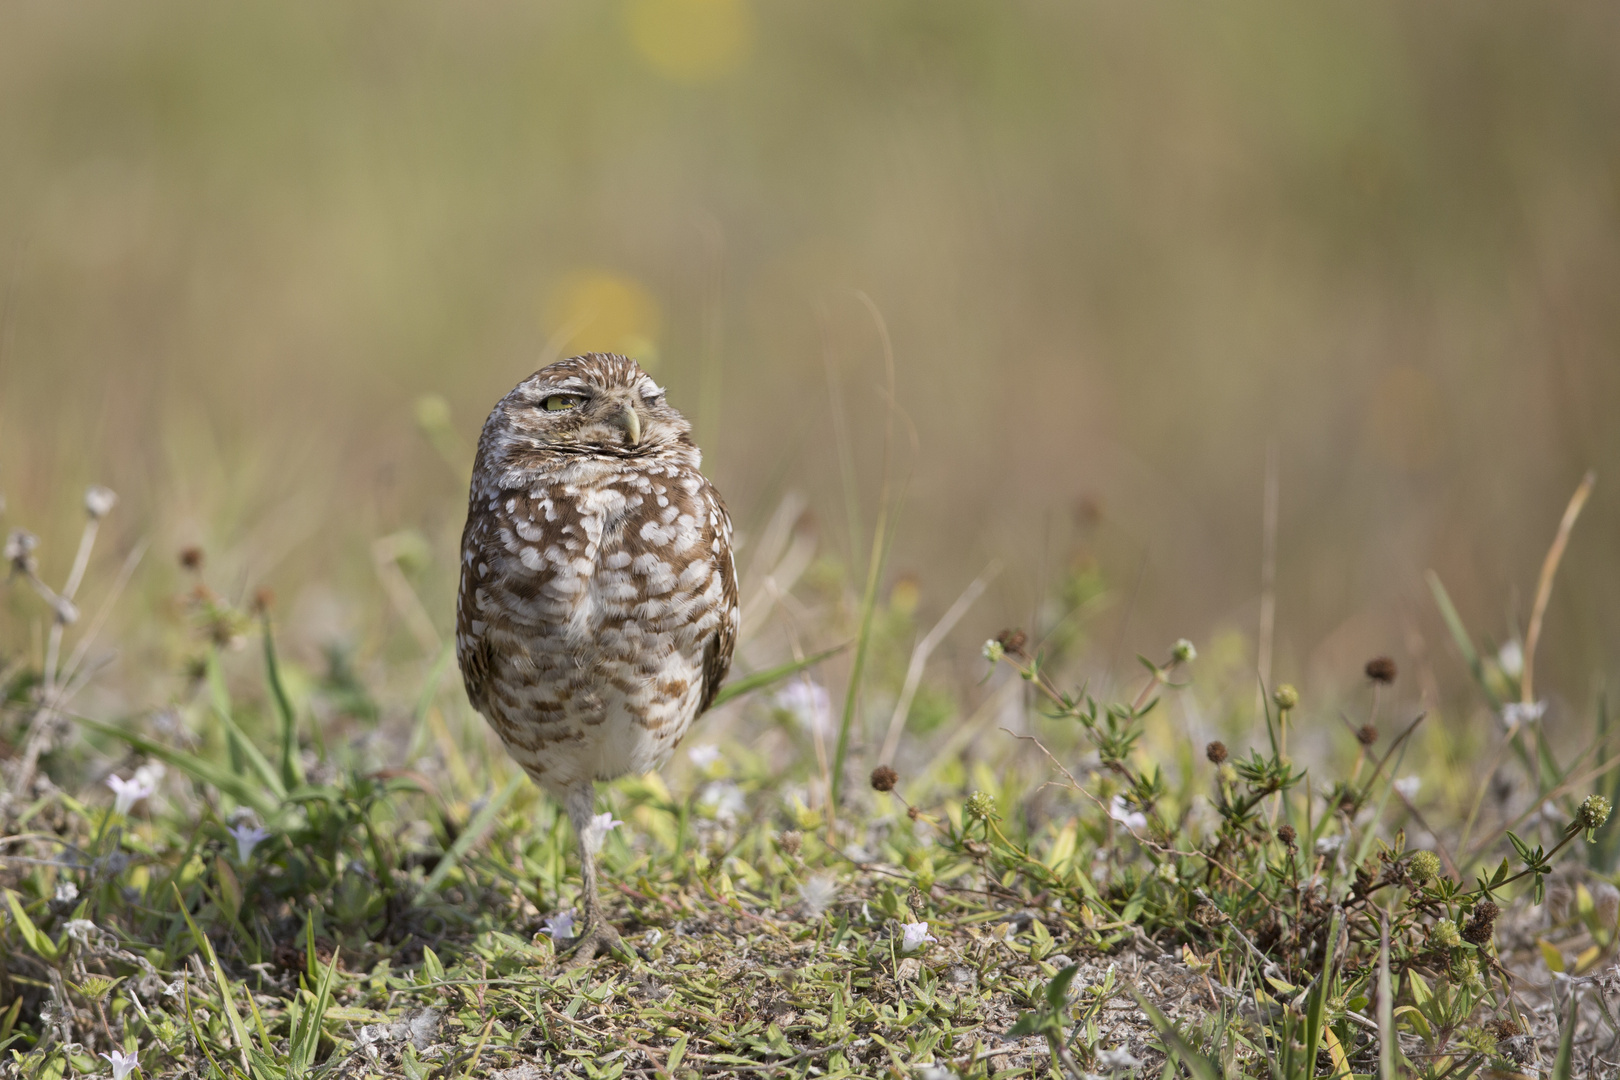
[[597, 609]]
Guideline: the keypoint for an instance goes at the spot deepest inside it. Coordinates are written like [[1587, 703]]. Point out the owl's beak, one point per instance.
[[631, 422]]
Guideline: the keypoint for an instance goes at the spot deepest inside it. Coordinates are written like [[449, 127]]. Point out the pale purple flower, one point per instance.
[[1122, 812], [122, 1064], [126, 793], [726, 798], [915, 934], [817, 894], [808, 703], [560, 926], [704, 756], [1510, 658], [248, 837], [99, 501], [1518, 713], [598, 828], [1118, 1059]]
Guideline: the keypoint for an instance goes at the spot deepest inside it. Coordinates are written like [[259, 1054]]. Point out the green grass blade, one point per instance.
[[200, 769], [1564, 1063], [244, 755], [306, 1033], [292, 773], [761, 679], [1316, 1011], [1198, 1064], [424, 700], [863, 644], [1459, 634], [475, 830], [233, 1018]]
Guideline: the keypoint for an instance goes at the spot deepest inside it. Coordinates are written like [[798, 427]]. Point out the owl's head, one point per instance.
[[598, 403]]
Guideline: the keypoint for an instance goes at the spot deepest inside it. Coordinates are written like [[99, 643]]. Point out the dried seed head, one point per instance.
[[913, 813], [1285, 696], [191, 558], [884, 778], [1012, 641], [1423, 867], [99, 501], [1594, 812], [1381, 669], [1216, 752], [1366, 735], [263, 599], [1287, 835], [790, 841], [20, 545], [1477, 931]]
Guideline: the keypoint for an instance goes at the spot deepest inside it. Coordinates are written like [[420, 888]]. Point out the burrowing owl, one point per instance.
[[598, 601]]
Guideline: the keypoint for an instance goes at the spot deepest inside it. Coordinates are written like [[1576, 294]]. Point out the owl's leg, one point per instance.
[[597, 935]]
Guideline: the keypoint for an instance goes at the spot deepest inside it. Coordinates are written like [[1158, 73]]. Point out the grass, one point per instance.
[[289, 872]]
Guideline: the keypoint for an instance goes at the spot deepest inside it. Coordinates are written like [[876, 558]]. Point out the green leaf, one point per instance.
[[306, 1029], [759, 679], [33, 936], [1031, 1023], [1057, 991]]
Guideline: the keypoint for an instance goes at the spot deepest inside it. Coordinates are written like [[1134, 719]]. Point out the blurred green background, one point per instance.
[[246, 250]]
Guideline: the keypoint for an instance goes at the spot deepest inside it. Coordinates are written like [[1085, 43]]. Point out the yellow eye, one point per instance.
[[560, 402]]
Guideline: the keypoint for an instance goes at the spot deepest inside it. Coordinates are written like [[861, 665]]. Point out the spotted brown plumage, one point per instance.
[[598, 601]]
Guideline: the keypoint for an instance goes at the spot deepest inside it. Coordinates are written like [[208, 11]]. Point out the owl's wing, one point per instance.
[[717, 650], [503, 580]]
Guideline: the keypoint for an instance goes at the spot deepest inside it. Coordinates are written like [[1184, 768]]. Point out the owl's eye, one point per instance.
[[561, 402]]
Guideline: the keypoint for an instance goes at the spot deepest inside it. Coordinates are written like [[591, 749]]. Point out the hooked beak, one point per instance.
[[628, 419]]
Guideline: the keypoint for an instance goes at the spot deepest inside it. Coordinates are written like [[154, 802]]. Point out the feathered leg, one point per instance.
[[597, 935]]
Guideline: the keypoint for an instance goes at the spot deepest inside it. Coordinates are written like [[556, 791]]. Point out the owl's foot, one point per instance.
[[599, 939]]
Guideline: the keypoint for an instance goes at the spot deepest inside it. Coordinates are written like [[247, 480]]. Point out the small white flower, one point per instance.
[[122, 1064], [66, 892], [1408, 786], [126, 793], [598, 828], [1118, 1059], [1510, 658], [915, 934], [560, 926], [726, 798], [817, 894], [248, 837], [1122, 812], [704, 756], [1518, 713], [808, 703], [1329, 845], [1183, 652], [80, 930], [98, 503]]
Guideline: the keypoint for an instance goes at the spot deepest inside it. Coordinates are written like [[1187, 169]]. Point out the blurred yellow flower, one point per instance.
[[595, 311], [691, 41]]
